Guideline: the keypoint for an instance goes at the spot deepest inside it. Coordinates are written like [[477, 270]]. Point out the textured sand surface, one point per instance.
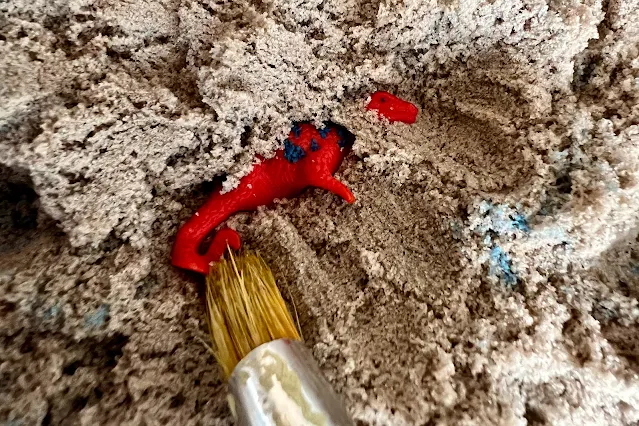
[[487, 274]]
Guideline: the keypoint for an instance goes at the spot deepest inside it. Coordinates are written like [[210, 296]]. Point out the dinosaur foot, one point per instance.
[[329, 183]]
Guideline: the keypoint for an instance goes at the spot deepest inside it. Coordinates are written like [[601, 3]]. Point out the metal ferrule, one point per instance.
[[279, 383]]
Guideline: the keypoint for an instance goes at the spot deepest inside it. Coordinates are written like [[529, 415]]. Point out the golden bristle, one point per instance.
[[245, 308]]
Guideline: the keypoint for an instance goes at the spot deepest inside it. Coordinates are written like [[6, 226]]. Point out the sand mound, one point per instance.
[[487, 274]]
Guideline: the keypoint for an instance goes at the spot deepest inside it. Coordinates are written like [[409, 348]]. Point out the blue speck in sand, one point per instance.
[[457, 229], [503, 219], [292, 152], [500, 265], [52, 312], [314, 145], [98, 318], [520, 222]]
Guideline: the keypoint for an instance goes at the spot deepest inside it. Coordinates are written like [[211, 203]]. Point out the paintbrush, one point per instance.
[[273, 379]]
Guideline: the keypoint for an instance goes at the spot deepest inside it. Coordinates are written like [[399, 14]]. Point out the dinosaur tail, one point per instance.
[[187, 253]]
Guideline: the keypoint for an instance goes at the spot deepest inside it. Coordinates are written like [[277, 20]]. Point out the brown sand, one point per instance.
[[488, 273]]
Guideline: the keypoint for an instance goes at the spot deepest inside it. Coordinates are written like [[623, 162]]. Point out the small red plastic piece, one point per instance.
[[393, 108], [309, 158]]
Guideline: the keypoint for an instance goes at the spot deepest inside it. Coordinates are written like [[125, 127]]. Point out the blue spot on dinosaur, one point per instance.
[[501, 266], [293, 153], [314, 145], [297, 130], [324, 131]]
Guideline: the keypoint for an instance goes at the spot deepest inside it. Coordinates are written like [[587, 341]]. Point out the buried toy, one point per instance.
[[310, 158], [254, 338]]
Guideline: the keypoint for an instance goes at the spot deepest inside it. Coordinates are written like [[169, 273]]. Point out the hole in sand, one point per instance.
[[19, 205]]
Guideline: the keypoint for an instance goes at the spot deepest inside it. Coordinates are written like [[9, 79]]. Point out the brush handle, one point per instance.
[[279, 383]]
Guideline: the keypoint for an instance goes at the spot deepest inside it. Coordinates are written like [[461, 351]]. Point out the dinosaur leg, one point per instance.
[[333, 185]]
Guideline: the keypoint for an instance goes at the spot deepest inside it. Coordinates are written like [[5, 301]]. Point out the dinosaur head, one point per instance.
[[393, 108]]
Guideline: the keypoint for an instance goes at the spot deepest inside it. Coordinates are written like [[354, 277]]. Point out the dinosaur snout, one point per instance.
[[393, 108]]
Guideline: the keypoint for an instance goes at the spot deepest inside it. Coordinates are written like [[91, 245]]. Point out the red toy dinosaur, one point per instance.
[[309, 158], [392, 108]]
